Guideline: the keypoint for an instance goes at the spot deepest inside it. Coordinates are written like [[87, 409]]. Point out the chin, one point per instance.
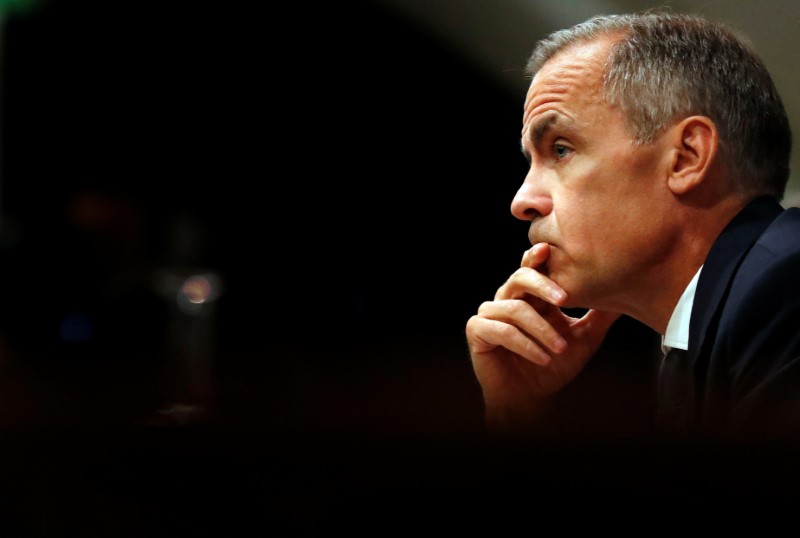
[[578, 296]]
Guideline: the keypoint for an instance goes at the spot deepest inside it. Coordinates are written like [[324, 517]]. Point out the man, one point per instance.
[[659, 150]]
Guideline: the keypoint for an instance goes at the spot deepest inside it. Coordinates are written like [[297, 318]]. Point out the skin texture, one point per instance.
[[524, 348], [592, 192], [616, 226]]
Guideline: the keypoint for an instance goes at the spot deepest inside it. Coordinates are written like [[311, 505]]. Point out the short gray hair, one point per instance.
[[666, 67]]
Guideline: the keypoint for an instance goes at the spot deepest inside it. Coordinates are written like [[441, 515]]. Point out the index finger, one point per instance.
[[527, 280], [535, 256], [531, 282]]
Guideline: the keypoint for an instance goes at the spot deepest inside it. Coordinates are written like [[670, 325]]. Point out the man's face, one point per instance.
[[595, 195]]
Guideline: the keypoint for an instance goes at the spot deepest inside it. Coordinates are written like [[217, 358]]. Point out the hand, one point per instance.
[[524, 348]]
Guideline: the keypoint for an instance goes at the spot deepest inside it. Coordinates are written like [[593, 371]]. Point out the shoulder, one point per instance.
[[765, 290], [782, 236], [759, 328], [769, 270], [753, 352]]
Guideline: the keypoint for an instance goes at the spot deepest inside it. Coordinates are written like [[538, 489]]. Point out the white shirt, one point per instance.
[[677, 334]]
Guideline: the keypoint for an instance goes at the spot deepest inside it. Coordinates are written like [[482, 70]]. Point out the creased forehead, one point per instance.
[[577, 70], [591, 53]]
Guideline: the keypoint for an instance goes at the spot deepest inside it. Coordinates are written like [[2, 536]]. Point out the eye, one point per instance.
[[561, 151]]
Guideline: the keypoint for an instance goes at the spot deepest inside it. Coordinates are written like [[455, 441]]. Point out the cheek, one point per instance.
[[584, 222], [599, 233]]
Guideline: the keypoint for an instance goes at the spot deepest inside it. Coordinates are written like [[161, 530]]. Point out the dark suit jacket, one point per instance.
[[744, 337]]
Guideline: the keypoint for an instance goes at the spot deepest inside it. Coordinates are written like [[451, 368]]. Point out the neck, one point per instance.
[[654, 297]]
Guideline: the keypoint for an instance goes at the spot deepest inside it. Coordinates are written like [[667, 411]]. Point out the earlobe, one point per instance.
[[695, 142]]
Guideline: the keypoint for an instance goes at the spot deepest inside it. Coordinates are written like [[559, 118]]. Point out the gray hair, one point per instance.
[[666, 67]]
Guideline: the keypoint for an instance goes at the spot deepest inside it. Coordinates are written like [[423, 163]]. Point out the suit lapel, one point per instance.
[[726, 253]]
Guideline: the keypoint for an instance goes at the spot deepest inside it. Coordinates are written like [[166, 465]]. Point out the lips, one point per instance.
[[535, 238], [537, 234]]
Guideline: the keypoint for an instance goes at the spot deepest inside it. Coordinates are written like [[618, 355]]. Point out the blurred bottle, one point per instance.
[[191, 290]]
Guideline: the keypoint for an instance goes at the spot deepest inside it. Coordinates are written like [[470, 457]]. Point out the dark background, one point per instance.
[[348, 177]]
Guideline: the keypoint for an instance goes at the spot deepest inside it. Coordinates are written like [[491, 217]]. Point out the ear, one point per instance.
[[695, 141]]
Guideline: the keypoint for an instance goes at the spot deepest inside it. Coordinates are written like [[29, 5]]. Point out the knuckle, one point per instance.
[[484, 307], [472, 325], [502, 291], [518, 307], [521, 272], [506, 331], [540, 325]]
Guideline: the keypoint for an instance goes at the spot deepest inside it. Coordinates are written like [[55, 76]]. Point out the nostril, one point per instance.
[[531, 213], [528, 207]]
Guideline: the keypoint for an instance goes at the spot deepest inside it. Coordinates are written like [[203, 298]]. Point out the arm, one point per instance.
[[524, 348]]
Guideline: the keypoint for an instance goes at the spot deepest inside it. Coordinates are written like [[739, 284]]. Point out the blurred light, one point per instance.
[[196, 291]]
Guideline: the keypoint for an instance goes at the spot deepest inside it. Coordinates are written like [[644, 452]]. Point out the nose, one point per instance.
[[531, 200]]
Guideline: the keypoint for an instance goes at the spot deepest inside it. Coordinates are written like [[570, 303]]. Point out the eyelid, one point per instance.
[[560, 143]]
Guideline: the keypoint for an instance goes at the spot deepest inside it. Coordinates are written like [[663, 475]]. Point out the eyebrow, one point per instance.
[[539, 129], [542, 126]]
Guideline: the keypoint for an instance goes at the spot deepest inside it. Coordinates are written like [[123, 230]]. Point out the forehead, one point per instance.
[[573, 75]]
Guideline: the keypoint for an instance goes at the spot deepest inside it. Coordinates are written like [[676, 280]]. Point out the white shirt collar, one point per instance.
[[677, 334]]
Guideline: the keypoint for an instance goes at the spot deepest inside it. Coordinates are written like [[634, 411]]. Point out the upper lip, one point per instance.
[[535, 236]]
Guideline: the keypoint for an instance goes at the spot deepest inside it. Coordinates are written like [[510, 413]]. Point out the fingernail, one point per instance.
[[557, 295], [559, 345]]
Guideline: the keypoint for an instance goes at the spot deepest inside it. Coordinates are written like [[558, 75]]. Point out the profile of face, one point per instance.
[[595, 194]]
